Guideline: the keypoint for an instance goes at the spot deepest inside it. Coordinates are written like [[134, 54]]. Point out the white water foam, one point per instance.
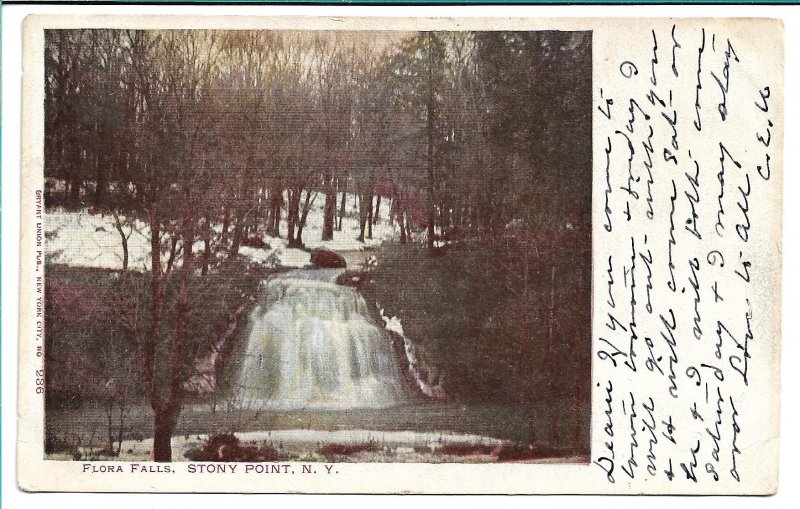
[[313, 345]]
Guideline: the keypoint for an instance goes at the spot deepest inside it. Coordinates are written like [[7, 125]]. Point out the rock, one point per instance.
[[256, 242], [226, 447], [325, 258]]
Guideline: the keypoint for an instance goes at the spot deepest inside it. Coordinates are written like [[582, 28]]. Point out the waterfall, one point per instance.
[[313, 344]]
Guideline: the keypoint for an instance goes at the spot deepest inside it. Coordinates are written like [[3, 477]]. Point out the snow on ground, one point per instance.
[[393, 324], [344, 240], [82, 239], [289, 257], [304, 443], [360, 436], [308, 445]]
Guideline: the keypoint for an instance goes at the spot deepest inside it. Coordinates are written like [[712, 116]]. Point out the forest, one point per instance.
[[476, 145]]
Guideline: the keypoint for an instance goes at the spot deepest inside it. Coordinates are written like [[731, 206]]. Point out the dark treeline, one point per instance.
[[466, 131], [479, 139]]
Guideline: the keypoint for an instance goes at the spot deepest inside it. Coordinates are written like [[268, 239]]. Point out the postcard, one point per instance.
[[401, 255]]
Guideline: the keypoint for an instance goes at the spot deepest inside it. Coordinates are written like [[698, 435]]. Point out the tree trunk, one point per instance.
[[124, 238], [267, 211], [362, 217], [294, 215], [276, 201], [157, 290], [226, 219], [342, 210], [237, 235], [369, 217], [330, 209], [377, 215], [120, 430], [397, 209], [166, 415], [163, 426], [303, 217], [161, 452]]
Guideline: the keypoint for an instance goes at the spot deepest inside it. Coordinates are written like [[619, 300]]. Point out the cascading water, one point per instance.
[[314, 345]]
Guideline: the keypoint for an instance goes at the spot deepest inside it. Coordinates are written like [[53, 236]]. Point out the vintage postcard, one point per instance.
[[401, 255]]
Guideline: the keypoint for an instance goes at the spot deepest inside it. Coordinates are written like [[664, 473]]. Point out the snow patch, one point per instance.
[[289, 257], [414, 366], [83, 239], [359, 436], [262, 256], [393, 324]]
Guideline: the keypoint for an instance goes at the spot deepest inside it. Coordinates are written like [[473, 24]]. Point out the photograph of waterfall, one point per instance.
[[317, 245]]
